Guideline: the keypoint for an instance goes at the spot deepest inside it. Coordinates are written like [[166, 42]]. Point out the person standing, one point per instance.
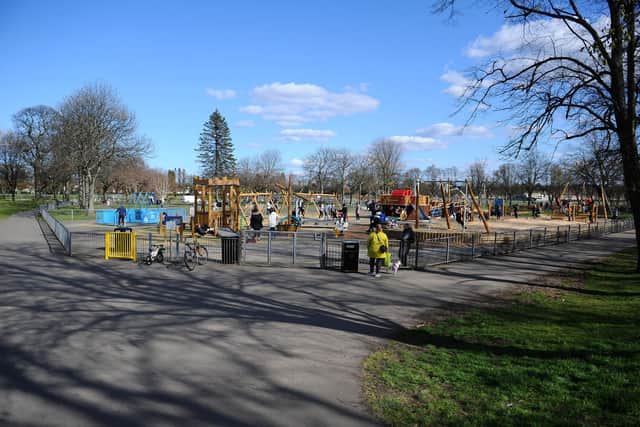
[[273, 221], [377, 247], [406, 239], [515, 211], [255, 222], [122, 216], [344, 213]]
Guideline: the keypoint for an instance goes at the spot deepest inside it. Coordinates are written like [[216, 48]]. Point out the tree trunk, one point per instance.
[[631, 171]]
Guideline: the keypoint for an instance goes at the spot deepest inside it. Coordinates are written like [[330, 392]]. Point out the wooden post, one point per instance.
[[445, 204], [477, 206], [604, 202]]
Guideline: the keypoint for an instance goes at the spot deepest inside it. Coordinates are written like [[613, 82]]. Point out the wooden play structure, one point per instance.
[[426, 204], [216, 203], [588, 210], [311, 199]]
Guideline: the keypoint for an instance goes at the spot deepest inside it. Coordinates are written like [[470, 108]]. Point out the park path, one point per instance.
[[97, 343]]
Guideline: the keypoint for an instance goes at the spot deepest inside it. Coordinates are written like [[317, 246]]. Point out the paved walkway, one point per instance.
[[96, 343]]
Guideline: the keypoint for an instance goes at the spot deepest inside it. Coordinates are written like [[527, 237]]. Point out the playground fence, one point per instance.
[[62, 233], [324, 250]]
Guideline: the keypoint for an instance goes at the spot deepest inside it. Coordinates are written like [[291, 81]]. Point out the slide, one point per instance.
[[423, 216]]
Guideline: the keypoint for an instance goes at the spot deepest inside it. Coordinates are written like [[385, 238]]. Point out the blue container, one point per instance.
[[137, 215]]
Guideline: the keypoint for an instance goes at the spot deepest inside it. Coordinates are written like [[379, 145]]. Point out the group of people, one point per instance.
[[378, 247]]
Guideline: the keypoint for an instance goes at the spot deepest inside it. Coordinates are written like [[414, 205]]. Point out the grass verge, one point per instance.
[[568, 355], [71, 215], [8, 208]]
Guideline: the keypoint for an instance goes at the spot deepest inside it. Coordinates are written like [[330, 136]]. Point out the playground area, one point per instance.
[[311, 229]]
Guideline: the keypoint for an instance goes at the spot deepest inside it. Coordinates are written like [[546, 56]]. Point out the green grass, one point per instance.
[[67, 214], [8, 208], [558, 357]]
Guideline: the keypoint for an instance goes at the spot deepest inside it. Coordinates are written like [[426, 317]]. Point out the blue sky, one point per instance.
[[287, 75]]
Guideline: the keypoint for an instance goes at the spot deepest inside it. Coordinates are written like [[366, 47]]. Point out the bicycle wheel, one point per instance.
[[160, 257], [203, 255], [190, 258]]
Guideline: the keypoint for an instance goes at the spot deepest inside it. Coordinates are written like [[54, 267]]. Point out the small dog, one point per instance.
[[395, 266]]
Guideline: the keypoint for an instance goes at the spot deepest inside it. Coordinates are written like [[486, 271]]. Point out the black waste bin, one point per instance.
[[230, 243], [350, 256]]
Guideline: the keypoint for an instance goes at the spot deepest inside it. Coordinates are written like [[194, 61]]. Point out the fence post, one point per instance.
[[530, 238], [544, 237], [473, 246], [579, 229], [513, 249], [417, 251], [558, 235], [323, 253], [495, 243], [69, 243], [567, 234], [293, 243], [446, 260], [269, 248]]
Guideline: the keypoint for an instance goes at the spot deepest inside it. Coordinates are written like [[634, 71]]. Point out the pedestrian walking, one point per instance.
[[377, 248], [407, 238]]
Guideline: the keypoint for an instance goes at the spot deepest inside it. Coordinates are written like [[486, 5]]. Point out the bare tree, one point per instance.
[[504, 179], [477, 175], [246, 174], [268, 168], [97, 129], [343, 160], [360, 176], [12, 164], [319, 167], [533, 169], [586, 83], [35, 127], [598, 163], [386, 162]]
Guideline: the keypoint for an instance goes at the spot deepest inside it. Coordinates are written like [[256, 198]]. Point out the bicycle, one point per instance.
[[195, 254], [156, 253]]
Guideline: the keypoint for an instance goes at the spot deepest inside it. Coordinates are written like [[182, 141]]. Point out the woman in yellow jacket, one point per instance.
[[377, 239]]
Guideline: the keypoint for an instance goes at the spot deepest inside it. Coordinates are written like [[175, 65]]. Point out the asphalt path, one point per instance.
[[89, 342]]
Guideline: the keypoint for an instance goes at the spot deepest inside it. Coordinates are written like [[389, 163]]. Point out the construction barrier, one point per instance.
[[120, 245]]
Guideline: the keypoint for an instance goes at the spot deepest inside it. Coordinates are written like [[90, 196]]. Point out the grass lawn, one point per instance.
[[8, 208], [67, 214], [559, 356]]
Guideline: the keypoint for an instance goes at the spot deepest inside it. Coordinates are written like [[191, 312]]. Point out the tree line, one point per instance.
[[595, 165], [89, 141]]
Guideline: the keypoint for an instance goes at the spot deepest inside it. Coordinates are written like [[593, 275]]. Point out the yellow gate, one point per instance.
[[120, 245]]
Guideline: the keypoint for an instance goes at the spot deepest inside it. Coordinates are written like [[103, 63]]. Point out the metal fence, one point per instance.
[[62, 233], [444, 250], [324, 250]]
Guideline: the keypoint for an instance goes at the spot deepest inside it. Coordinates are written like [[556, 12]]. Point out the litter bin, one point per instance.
[[350, 256], [230, 243]]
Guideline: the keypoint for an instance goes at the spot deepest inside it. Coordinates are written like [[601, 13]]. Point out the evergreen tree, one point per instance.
[[215, 151]]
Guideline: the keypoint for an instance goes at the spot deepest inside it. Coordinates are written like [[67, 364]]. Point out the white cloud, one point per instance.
[[534, 36], [458, 83], [245, 124], [306, 134], [221, 93], [297, 162], [293, 104], [439, 130], [413, 142]]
